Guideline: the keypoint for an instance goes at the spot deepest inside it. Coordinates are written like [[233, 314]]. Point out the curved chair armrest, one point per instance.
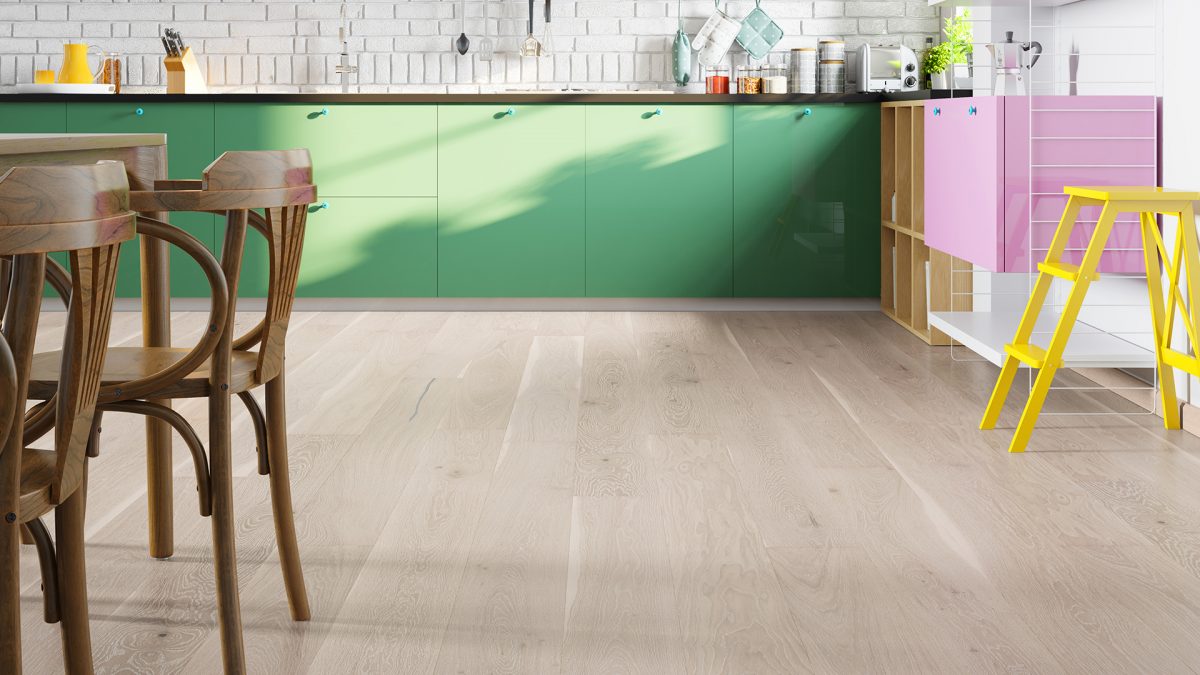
[[217, 316]]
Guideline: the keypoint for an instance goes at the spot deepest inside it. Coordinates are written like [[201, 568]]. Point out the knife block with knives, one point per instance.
[[183, 72]]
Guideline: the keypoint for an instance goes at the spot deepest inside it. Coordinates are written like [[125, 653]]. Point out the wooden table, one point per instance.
[[145, 158]]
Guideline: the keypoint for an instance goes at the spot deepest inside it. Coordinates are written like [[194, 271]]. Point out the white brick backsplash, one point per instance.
[[292, 45], [875, 8]]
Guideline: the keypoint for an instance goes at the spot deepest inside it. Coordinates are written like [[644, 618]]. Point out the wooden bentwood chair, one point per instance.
[[83, 210], [143, 380]]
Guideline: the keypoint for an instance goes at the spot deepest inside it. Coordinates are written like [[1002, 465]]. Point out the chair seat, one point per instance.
[[37, 475], [123, 364]]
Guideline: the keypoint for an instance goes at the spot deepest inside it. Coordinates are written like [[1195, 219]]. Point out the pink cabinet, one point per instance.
[[988, 160]]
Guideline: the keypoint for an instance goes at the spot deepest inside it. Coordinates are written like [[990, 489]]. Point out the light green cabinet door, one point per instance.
[[806, 201], [33, 118], [358, 150], [189, 130], [659, 201], [510, 201], [365, 247]]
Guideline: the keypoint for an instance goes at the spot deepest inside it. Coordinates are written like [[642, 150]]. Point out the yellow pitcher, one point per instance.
[[75, 68]]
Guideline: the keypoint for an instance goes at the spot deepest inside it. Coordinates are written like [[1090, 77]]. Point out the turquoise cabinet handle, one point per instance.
[[658, 112], [510, 112], [324, 205], [937, 112], [324, 112], [972, 111], [139, 112], [318, 207], [808, 112]]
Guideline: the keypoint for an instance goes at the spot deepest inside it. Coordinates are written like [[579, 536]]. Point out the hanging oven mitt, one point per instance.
[[716, 36], [759, 33]]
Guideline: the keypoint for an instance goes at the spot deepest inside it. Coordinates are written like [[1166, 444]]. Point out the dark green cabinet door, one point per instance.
[[806, 201], [358, 150], [510, 201], [659, 201], [365, 247], [33, 118], [189, 130]]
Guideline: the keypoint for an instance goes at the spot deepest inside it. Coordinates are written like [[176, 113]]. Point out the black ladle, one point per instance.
[[462, 44]]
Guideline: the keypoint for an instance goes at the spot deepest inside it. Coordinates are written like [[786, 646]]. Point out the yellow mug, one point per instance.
[[75, 68], [43, 76]]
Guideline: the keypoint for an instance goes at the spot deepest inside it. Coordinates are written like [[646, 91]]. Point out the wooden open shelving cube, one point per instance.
[[914, 279]]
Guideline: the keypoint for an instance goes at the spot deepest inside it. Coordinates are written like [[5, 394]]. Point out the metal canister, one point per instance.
[[832, 50], [831, 77], [802, 71]]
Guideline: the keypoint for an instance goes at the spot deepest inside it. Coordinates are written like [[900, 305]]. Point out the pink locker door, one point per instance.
[[1075, 140], [964, 164]]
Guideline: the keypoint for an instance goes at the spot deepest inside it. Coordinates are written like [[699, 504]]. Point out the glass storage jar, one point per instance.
[[716, 79], [749, 80]]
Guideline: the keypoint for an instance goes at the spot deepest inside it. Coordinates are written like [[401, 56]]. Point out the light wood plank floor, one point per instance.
[[658, 493]]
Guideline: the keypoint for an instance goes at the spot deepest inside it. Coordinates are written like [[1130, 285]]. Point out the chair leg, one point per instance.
[[281, 500], [72, 579], [229, 611], [260, 430], [46, 561]]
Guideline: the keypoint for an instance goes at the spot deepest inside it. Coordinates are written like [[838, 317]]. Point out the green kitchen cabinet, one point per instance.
[[358, 150], [362, 247], [659, 200], [33, 118], [510, 200], [189, 130], [806, 201]]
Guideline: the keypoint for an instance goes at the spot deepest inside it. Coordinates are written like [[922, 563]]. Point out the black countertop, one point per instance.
[[546, 97]]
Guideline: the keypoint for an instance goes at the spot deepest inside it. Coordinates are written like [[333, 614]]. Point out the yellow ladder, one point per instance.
[[1148, 202]]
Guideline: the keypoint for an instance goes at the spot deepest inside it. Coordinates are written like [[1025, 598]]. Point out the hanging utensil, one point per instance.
[[681, 51], [716, 36], [486, 47], [547, 39], [462, 44], [530, 46]]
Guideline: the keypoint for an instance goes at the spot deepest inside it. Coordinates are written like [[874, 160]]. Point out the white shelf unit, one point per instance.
[[986, 333]]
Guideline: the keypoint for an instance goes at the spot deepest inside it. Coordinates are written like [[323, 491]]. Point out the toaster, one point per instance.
[[886, 69]]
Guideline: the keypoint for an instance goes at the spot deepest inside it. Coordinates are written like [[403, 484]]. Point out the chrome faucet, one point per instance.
[[343, 68]]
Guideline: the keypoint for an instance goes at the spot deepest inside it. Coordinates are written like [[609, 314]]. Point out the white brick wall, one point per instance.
[[273, 45]]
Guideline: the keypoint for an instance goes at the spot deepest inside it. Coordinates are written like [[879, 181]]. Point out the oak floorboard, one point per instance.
[[659, 492]]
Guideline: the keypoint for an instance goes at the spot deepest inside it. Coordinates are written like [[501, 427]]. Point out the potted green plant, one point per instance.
[[934, 65], [953, 54]]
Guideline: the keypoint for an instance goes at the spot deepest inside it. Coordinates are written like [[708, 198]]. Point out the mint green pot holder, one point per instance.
[[759, 33]]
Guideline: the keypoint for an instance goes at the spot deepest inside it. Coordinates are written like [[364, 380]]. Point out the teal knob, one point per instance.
[[324, 112], [510, 112], [658, 112], [808, 112], [323, 205], [972, 110], [139, 112], [937, 112]]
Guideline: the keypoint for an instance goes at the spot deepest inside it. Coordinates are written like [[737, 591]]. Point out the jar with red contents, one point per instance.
[[716, 79]]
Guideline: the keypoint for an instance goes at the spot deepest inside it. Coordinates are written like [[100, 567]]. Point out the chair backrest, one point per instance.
[[83, 210], [284, 179]]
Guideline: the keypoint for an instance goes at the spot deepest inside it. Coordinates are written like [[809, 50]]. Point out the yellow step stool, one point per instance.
[[1148, 202]]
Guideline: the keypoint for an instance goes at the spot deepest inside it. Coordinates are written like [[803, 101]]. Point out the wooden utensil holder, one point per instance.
[[183, 74]]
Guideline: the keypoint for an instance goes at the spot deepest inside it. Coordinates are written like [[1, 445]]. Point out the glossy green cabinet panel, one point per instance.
[[806, 201], [33, 118], [659, 201], [362, 247], [365, 150], [510, 200], [189, 130]]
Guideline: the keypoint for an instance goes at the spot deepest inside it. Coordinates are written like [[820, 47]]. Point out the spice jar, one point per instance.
[[749, 80], [774, 79], [716, 79]]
